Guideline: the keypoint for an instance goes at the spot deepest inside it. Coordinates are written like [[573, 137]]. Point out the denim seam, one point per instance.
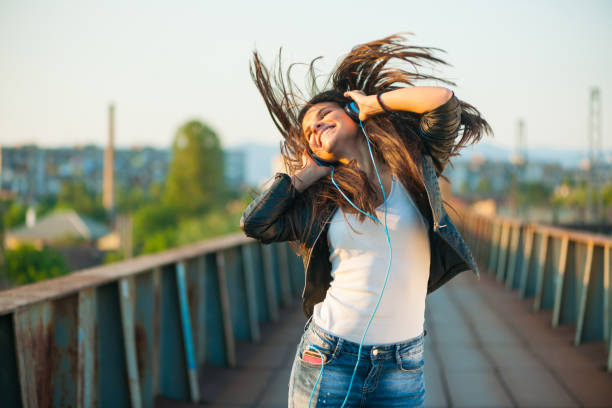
[[374, 382]]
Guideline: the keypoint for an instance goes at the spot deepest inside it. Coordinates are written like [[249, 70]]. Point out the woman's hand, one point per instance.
[[310, 173], [368, 105]]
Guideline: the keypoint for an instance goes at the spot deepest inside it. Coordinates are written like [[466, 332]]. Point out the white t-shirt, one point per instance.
[[359, 259]]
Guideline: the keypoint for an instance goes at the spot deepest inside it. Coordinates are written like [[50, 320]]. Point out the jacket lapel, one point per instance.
[[433, 190]]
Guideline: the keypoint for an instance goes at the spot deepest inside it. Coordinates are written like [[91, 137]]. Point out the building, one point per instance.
[[31, 173]]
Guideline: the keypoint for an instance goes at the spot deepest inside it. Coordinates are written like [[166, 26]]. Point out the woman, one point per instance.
[[361, 205]]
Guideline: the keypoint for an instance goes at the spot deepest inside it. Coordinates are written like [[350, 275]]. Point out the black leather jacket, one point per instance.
[[277, 215]]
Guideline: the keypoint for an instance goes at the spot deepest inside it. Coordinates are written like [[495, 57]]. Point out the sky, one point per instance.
[[164, 63]]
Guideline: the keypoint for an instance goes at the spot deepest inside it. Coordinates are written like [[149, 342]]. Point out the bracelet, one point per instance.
[[380, 102]]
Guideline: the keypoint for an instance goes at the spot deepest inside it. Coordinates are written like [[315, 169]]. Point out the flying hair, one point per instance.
[[376, 66]]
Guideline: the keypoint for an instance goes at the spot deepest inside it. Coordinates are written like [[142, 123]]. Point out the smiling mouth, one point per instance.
[[324, 132]]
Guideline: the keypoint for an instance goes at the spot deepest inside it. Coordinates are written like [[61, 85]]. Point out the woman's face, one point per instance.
[[330, 132]]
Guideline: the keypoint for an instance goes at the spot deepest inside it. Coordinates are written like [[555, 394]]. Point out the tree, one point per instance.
[[155, 228], [14, 214], [195, 179], [26, 264], [75, 195]]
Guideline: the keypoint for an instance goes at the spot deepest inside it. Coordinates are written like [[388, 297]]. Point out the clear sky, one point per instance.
[[163, 63]]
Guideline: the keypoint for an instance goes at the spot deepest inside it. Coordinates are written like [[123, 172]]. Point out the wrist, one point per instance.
[[384, 107], [297, 182], [302, 179], [307, 176], [374, 107]]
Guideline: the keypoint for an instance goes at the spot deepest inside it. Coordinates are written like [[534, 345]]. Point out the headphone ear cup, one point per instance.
[[352, 110]]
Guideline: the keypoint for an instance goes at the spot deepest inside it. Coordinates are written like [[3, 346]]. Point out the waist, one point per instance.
[[381, 351]]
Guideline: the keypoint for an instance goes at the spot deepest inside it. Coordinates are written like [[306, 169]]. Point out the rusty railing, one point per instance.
[[120, 334], [564, 270]]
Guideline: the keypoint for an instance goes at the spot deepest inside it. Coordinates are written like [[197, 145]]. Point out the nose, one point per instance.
[[317, 126]]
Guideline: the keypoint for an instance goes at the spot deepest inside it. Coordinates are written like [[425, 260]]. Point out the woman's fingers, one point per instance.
[[363, 103]]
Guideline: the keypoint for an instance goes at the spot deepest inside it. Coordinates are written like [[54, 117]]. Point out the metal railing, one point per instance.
[[561, 269], [120, 334]]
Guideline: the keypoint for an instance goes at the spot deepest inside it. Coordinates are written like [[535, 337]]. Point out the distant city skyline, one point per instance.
[[63, 63]]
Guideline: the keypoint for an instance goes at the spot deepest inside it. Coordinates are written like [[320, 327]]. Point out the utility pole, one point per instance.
[[520, 162], [108, 181], [595, 208]]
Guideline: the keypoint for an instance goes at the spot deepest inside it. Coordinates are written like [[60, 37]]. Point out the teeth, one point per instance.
[[325, 131]]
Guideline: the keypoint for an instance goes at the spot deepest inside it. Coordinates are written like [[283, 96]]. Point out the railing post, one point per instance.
[[226, 315], [192, 369], [559, 281], [33, 340], [503, 252], [157, 282], [248, 261], [199, 310], [283, 269], [527, 249], [126, 302], [145, 318], [586, 276], [514, 241], [9, 372], [540, 270], [86, 372], [494, 246], [269, 280]]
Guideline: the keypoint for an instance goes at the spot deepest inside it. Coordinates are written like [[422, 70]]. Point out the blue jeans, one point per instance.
[[389, 375]]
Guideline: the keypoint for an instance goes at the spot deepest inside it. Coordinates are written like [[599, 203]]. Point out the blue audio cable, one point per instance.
[[313, 347]]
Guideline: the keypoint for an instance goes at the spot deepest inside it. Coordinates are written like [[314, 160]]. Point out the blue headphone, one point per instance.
[[352, 110]]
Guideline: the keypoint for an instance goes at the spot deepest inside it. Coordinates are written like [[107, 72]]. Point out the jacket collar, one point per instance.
[[433, 190]]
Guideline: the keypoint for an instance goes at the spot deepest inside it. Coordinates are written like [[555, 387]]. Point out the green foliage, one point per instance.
[[484, 186], [132, 199], [213, 224], [195, 178], [192, 205], [45, 206], [159, 241], [155, 227], [533, 193], [26, 264], [607, 195], [113, 256], [14, 214], [75, 195]]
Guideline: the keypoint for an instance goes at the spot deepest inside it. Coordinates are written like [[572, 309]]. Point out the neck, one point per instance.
[[361, 155]]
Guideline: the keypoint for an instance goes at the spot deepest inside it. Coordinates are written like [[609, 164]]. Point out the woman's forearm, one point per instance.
[[418, 99]]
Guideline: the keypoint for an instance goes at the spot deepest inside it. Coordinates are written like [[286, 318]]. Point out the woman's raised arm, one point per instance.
[[418, 99], [440, 120]]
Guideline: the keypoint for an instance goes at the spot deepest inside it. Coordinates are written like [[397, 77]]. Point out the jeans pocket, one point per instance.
[[410, 358], [312, 341]]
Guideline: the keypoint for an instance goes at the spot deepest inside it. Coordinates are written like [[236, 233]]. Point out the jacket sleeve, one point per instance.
[[438, 129], [268, 218]]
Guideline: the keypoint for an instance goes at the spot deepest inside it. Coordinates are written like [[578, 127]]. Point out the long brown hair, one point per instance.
[[395, 137]]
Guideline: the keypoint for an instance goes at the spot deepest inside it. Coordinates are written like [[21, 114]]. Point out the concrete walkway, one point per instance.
[[484, 348]]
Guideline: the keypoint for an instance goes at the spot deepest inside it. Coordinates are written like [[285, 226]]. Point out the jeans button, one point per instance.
[[375, 352]]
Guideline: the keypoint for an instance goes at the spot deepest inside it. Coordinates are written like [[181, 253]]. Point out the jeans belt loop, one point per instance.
[[398, 357]]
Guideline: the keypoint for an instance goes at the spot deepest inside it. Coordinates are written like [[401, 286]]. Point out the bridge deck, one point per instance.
[[484, 348]]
